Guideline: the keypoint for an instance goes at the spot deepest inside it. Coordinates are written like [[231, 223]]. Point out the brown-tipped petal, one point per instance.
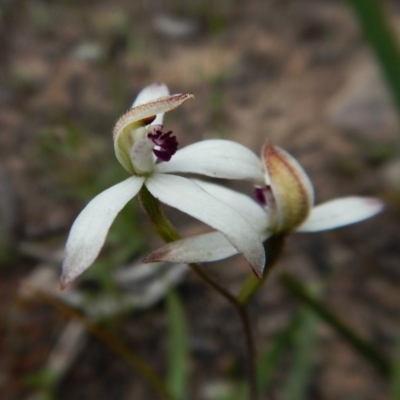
[[144, 111], [212, 246], [291, 188]]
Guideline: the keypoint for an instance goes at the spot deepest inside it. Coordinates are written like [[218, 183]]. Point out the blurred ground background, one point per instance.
[[295, 71]]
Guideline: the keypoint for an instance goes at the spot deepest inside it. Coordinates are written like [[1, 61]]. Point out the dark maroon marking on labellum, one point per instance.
[[166, 144], [259, 195]]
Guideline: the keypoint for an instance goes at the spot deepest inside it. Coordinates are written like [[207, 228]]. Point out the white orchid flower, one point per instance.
[[285, 203], [143, 149]]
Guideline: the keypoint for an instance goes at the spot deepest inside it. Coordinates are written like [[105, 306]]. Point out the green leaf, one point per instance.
[[304, 341], [396, 371], [373, 20], [43, 378], [359, 344], [178, 348], [270, 359], [238, 391]]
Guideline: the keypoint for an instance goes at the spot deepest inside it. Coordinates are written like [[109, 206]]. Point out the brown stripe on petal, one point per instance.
[[291, 188], [142, 112]]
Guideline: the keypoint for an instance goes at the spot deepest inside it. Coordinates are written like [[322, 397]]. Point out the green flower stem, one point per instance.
[[112, 342], [365, 349], [161, 224], [250, 288], [375, 26], [169, 234], [273, 248]]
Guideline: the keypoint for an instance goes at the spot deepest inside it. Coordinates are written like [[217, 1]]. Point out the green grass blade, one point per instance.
[[373, 20], [396, 371], [238, 391], [364, 348], [304, 342], [178, 348], [270, 359]]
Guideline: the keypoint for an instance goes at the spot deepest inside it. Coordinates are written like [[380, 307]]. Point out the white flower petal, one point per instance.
[[207, 247], [150, 93], [190, 198], [242, 203], [218, 159], [90, 229], [341, 212]]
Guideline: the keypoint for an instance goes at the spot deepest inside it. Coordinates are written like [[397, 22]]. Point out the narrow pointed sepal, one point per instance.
[[90, 229], [151, 93], [185, 195], [207, 247], [242, 203], [341, 212], [216, 158]]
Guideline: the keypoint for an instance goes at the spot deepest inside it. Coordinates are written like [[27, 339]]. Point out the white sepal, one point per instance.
[[90, 229], [185, 195], [340, 212], [216, 158], [212, 246], [242, 203], [150, 93]]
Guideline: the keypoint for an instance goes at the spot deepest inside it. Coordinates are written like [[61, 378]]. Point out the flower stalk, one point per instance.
[[161, 224], [273, 247]]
